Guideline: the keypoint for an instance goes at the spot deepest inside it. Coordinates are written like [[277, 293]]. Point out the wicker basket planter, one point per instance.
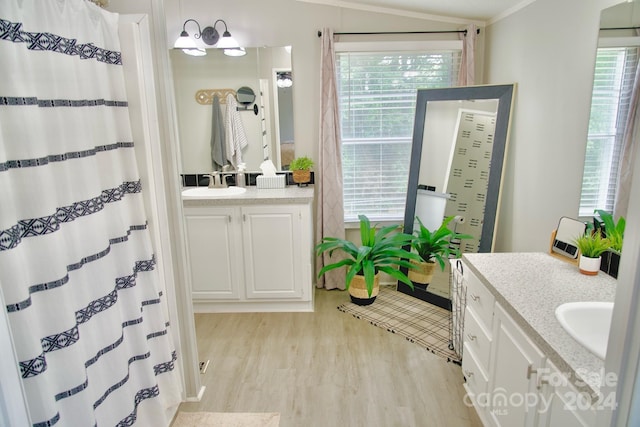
[[423, 273], [301, 176], [358, 290]]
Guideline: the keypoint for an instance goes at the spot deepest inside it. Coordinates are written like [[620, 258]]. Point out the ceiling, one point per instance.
[[478, 11]]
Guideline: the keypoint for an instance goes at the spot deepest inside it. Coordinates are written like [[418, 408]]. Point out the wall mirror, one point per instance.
[[254, 75], [458, 149]]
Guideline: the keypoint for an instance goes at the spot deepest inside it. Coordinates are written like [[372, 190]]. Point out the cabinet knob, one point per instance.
[[475, 297], [471, 337], [468, 373]]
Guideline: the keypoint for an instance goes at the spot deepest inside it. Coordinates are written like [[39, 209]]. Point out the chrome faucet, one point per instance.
[[216, 180]]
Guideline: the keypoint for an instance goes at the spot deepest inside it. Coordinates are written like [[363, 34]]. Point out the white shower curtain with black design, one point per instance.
[[77, 269]]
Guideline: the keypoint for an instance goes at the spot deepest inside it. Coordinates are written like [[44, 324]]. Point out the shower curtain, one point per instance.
[[77, 270]]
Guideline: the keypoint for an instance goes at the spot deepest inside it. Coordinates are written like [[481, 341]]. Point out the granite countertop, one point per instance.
[[529, 286], [289, 195]]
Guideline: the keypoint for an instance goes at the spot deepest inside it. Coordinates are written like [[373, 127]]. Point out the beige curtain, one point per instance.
[[629, 149], [467, 74], [330, 209]]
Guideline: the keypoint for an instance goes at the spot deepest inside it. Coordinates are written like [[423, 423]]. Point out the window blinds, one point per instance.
[[613, 84], [377, 96]]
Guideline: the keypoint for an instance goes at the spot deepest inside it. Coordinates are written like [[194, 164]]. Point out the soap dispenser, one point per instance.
[[240, 178]]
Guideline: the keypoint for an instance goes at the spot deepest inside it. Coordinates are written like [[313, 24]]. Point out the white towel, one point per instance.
[[235, 135]]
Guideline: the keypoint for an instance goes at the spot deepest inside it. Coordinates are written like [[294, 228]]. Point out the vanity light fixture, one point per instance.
[[284, 79], [209, 36], [236, 51]]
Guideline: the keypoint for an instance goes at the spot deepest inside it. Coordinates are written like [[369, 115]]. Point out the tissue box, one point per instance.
[[277, 181]]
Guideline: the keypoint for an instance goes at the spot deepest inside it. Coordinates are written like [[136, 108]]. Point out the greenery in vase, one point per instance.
[[435, 246], [381, 250], [613, 231], [592, 244], [301, 164]]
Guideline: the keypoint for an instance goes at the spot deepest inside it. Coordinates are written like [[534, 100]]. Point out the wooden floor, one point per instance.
[[325, 368]]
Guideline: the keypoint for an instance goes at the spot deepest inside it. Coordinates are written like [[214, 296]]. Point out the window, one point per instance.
[[377, 96], [613, 83]]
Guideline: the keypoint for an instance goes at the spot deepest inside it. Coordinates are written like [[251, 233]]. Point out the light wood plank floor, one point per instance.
[[325, 368]]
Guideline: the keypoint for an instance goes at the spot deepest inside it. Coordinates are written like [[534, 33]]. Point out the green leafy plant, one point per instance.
[[381, 250], [301, 164], [592, 244], [434, 246], [613, 231]]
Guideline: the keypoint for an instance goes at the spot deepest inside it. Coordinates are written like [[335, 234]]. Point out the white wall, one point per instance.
[[548, 48]]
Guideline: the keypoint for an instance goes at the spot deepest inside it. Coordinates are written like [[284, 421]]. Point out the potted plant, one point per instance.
[[614, 232], [433, 247], [381, 250], [591, 245], [301, 169]]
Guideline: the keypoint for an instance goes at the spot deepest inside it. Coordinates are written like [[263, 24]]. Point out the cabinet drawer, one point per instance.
[[476, 377], [479, 299], [477, 339]]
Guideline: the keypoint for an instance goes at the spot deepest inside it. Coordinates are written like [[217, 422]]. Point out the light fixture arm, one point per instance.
[[210, 35], [184, 29], [226, 31]]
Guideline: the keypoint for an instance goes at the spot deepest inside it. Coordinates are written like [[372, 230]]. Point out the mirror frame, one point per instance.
[[504, 94]]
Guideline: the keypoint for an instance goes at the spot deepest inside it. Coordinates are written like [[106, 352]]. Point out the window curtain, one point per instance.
[[78, 273], [330, 209], [467, 74], [629, 149]]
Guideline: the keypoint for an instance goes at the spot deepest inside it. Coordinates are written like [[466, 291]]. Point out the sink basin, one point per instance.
[[208, 193], [588, 323]]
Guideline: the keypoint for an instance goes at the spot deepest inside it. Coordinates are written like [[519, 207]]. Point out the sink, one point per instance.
[[588, 323], [206, 192]]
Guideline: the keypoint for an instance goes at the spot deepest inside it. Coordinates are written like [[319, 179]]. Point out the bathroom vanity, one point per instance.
[[251, 252], [520, 366]]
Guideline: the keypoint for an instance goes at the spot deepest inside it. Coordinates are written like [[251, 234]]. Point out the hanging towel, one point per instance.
[[218, 141], [236, 137]]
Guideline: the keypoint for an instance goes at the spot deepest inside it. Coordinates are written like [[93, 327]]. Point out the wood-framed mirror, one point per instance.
[[458, 150]]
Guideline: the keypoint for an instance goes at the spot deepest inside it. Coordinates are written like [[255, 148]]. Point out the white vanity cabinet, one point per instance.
[[214, 236], [250, 257], [276, 238], [508, 378], [564, 405], [515, 367], [477, 338]]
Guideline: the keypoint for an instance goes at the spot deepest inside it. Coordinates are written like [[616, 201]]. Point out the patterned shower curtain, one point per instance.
[[77, 270]]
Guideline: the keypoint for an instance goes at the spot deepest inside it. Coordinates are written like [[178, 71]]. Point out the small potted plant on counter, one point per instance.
[[591, 246], [433, 247], [301, 169], [381, 250], [614, 232]]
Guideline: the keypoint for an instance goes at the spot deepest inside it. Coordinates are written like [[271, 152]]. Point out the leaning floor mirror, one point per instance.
[[457, 155]]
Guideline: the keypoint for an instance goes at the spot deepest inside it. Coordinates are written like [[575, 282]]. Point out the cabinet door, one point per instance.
[[513, 383], [562, 404], [273, 251], [214, 252]]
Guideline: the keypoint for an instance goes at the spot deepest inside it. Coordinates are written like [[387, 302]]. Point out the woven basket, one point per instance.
[[358, 287], [423, 273], [301, 176]]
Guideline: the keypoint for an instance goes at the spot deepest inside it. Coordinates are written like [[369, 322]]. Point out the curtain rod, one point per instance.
[[620, 28], [401, 32]]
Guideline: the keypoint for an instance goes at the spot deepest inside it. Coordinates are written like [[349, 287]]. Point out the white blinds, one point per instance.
[[613, 82], [377, 95]]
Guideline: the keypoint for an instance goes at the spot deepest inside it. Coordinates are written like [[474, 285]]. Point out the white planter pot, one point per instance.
[[589, 266]]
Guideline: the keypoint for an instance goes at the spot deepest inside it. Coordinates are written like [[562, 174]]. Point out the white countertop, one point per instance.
[[291, 194], [529, 286]]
